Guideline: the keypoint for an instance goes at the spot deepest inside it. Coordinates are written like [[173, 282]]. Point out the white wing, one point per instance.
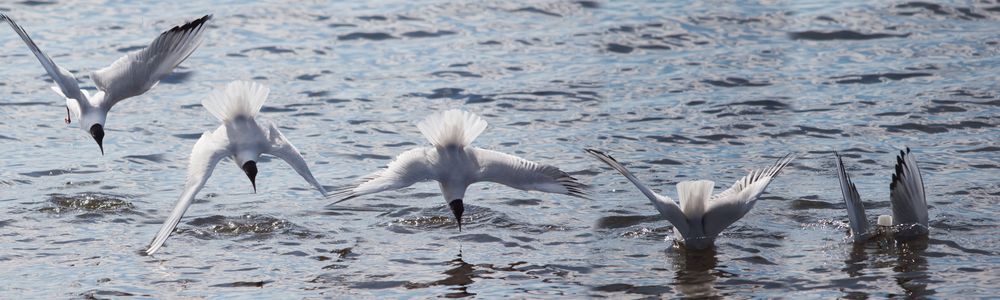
[[283, 149], [66, 81], [412, 166], [526, 175], [909, 205], [666, 206], [730, 205], [137, 72], [855, 210], [207, 152]]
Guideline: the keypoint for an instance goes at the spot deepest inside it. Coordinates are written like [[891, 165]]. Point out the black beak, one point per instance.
[[458, 208], [250, 168], [97, 132]]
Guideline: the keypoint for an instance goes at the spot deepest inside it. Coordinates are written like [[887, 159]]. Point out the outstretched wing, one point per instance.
[[207, 152], [283, 149], [137, 72], [666, 206], [906, 191], [63, 78], [412, 166], [730, 205], [526, 175], [855, 210]]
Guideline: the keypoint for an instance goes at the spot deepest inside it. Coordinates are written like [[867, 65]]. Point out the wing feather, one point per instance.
[[207, 153], [855, 209], [68, 86], [412, 166], [280, 147], [909, 204], [666, 206], [526, 175], [732, 204], [137, 72]]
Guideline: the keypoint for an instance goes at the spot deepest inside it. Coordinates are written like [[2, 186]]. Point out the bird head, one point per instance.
[[97, 132], [250, 168], [457, 208]]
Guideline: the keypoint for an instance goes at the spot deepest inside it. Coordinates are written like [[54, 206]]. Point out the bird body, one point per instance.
[[240, 138], [701, 217], [455, 164]]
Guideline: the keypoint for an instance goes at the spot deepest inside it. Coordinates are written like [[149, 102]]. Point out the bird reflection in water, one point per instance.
[[695, 271], [909, 265], [460, 276]]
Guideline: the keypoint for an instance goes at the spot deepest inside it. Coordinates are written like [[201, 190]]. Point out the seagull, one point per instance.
[[240, 138], [699, 219], [906, 196], [455, 165], [129, 76]]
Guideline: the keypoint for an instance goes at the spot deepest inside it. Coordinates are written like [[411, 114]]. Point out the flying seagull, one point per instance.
[[906, 196], [455, 165], [129, 76], [699, 218], [240, 138]]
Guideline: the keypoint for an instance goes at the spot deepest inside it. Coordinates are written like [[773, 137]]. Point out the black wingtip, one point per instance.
[[598, 153], [191, 25]]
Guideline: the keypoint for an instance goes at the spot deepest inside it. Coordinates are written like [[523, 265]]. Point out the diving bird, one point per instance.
[[129, 76], [455, 164], [701, 216], [906, 197], [240, 138]]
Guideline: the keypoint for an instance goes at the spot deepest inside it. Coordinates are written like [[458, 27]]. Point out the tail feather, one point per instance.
[[452, 128], [239, 99], [694, 197]]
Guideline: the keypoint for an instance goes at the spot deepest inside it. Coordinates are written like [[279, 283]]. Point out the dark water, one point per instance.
[[678, 91]]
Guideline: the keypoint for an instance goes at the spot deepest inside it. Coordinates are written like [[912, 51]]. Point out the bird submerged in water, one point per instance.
[[701, 216], [455, 164], [906, 196], [240, 138], [129, 76]]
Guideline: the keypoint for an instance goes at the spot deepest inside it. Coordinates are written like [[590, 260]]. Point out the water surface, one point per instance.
[[677, 91]]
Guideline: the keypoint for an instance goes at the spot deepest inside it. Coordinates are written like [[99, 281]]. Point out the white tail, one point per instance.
[[694, 197], [239, 99], [452, 128]]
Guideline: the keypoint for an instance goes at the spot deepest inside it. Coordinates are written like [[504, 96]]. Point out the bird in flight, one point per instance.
[[455, 164], [240, 138], [129, 76]]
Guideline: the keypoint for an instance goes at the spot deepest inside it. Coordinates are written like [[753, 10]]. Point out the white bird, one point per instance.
[[699, 219], [906, 197], [240, 138], [455, 165], [129, 76]]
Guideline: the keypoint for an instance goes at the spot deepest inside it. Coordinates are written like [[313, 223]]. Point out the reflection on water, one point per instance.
[[905, 258], [695, 273], [459, 276]]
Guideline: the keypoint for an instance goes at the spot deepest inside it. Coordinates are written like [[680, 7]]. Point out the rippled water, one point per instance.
[[678, 91]]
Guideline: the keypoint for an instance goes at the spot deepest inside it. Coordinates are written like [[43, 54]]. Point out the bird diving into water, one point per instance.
[[701, 216], [129, 76], [240, 138], [455, 164], [906, 197]]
